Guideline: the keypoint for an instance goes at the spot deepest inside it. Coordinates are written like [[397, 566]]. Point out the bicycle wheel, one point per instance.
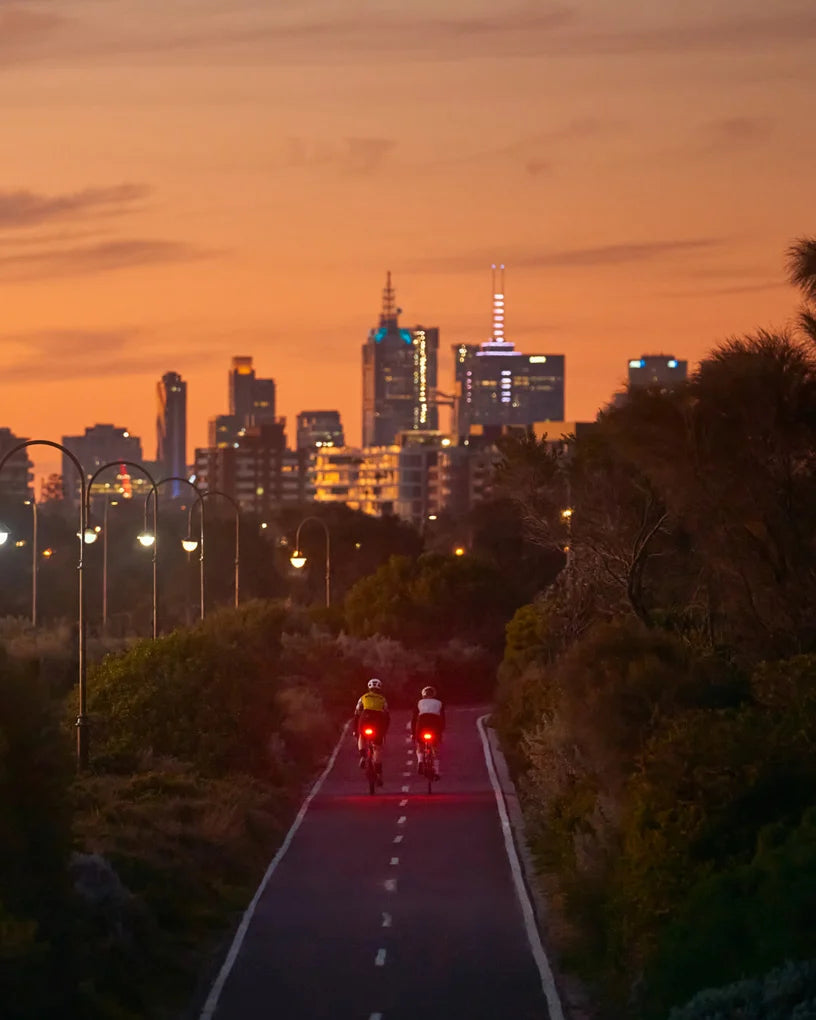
[[429, 770], [371, 772]]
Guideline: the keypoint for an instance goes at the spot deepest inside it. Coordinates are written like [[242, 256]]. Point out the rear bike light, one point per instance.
[[368, 731], [427, 736]]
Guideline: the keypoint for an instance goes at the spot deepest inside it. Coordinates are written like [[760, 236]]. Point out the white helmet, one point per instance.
[[428, 692], [374, 684]]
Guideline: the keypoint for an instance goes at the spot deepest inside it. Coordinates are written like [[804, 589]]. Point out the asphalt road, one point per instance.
[[391, 907]]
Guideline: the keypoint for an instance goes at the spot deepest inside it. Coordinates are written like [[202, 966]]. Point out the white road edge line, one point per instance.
[[211, 1004], [375, 1016], [533, 937], [379, 959]]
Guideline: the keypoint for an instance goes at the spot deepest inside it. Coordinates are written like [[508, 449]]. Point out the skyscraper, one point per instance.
[[498, 385], [319, 428], [251, 400], [399, 376], [171, 429], [101, 444]]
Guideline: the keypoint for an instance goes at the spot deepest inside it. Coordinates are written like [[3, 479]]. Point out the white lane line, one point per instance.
[[394, 860], [401, 820], [375, 1016], [397, 839], [215, 992], [390, 885], [533, 935], [379, 959], [404, 789], [386, 921], [406, 773], [403, 802]]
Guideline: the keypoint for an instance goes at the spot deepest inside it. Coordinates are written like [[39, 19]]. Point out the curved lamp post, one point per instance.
[[190, 544], [298, 560], [146, 538], [82, 717], [196, 490]]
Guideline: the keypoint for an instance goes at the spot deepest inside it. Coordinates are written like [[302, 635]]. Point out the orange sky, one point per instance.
[[184, 180]]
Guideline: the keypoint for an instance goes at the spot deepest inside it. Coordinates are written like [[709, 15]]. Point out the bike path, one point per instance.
[[394, 906]]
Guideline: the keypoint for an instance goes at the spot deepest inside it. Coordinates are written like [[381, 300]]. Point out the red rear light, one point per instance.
[[427, 736], [368, 731]]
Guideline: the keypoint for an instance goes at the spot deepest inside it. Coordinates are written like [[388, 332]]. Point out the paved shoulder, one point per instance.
[[393, 906]]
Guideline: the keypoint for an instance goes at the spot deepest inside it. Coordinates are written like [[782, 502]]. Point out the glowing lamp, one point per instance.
[[368, 731], [189, 544], [297, 559], [147, 539], [91, 535], [48, 553], [459, 550], [427, 736], [4, 534]]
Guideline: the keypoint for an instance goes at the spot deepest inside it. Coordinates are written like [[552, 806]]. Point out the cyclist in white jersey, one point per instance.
[[428, 717]]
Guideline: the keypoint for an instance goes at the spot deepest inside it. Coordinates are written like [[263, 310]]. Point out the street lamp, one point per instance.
[[82, 718], [189, 544], [298, 560], [154, 543], [144, 539], [34, 564]]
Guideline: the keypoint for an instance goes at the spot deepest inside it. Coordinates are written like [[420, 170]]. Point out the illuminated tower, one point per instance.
[[171, 428], [399, 376], [251, 400], [498, 385]]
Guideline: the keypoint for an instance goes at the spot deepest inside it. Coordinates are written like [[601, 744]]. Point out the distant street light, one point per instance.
[[298, 560], [196, 490], [459, 550], [82, 718], [4, 534], [154, 543], [34, 560], [189, 544]]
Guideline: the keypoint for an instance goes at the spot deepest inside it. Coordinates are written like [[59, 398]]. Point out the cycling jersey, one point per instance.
[[429, 714]]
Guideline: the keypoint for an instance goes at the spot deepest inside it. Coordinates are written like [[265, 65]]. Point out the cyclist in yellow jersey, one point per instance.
[[372, 710]]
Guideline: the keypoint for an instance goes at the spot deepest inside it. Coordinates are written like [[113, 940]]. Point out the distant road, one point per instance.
[[399, 906]]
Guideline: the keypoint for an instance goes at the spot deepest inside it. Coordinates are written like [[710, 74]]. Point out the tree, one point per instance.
[[801, 264]]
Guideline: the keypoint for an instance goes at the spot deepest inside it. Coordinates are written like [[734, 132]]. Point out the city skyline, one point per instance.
[[252, 174]]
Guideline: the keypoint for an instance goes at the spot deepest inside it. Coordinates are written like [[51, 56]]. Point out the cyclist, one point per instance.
[[372, 710], [428, 717]]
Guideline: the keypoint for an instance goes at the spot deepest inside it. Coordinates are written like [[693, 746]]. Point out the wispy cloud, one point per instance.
[[602, 255], [353, 155], [59, 354], [728, 133], [27, 208], [96, 258]]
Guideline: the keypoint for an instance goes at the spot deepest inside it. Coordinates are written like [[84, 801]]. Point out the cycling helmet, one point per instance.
[[374, 684], [428, 692]]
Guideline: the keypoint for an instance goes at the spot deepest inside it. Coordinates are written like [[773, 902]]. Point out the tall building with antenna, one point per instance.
[[399, 376], [498, 385]]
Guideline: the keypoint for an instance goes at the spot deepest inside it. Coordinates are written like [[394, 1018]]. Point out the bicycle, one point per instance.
[[368, 752], [427, 762]]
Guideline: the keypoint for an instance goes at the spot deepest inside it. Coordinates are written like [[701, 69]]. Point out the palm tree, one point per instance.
[[801, 264]]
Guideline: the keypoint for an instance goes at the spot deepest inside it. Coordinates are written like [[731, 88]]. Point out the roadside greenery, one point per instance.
[[658, 701]]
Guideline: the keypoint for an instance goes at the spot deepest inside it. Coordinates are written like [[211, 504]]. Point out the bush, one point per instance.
[[785, 993]]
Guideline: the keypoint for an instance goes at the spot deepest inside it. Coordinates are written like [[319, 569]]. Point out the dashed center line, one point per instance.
[[405, 789], [397, 839], [403, 802], [386, 921], [406, 773], [390, 885], [375, 1016], [379, 959], [401, 820], [394, 860]]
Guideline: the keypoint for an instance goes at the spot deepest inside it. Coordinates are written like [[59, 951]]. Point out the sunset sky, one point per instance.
[[185, 180]]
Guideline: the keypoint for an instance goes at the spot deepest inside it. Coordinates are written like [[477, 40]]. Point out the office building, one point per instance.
[[399, 376], [256, 470], [224, 429], [16, 476], [100, 444], [663, 369], [498, 385], [251, 400], [171, 430], [316, 429]]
